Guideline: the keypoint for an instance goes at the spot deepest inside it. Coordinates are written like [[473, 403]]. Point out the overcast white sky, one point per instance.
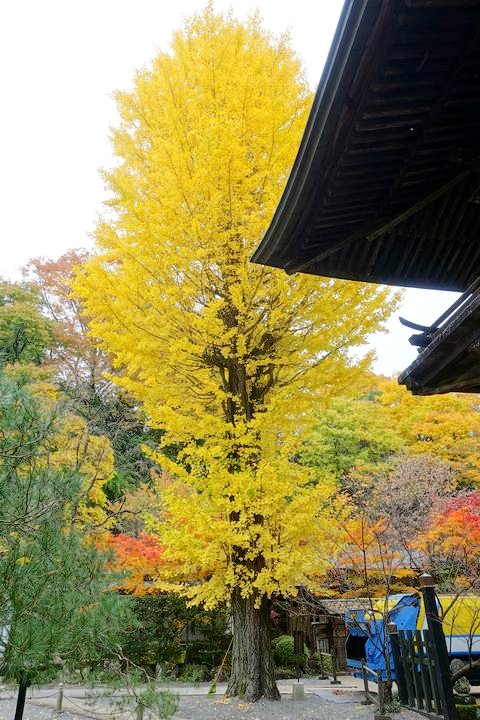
[[59, 62]]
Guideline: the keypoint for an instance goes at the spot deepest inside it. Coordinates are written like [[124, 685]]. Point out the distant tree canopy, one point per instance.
[[447, 426], [25, 333], [351, 437], [360, 436], [407, 467]]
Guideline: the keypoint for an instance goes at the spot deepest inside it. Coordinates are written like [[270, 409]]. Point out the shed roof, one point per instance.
[[386, 184]]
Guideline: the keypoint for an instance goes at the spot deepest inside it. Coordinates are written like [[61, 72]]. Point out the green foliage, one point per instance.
[[467, 712], [317, 663], [212, 640], [25, 334], [394, 706], [162, 704], [351, 434], [113, 415], [136, 690], [28, 489], [159, 636], [54, 607], [194, 673], [277, 639], [54, 601], [156, 639], [284, 655], [282, 673]]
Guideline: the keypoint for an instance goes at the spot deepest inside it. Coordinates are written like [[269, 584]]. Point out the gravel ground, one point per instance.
[[34, 712], [312, 708], [195, 707]]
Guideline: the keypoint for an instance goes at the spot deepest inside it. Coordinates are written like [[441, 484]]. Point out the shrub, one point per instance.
[[317, 663], [393, 706], [467, 712], [277, 639], [194, 673], [284, 654], [285, 673]]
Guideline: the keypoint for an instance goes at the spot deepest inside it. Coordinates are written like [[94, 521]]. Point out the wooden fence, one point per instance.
[[416, 671], [422, 664], [379, 699], [328, 666]]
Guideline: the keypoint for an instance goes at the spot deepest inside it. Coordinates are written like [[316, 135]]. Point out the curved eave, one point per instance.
[[451, 362], [385, 187], [337, 74]]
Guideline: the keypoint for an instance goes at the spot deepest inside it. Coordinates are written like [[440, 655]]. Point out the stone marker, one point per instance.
[[298, 691]]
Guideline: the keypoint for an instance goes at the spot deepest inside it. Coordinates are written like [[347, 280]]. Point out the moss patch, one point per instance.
[[468, 712]]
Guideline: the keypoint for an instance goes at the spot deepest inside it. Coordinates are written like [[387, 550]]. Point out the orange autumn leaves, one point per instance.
[[447, 545], [454, 532], [138, 559]]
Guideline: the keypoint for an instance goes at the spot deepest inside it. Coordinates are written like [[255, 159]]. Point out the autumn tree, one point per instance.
[[446, 426], [227, 359], [91, 456], [405, 496], [25, 333], [82, 369], [69, 445], [450, 544], [78, 361], [139, 559], [352, 439]]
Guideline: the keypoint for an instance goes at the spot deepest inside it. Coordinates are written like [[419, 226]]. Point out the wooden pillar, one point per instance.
[[439, 647], [367, 700], [59, 704], [335, 681], [397, 662]]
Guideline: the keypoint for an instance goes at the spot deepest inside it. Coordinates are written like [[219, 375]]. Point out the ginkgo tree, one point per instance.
[[226, 358]]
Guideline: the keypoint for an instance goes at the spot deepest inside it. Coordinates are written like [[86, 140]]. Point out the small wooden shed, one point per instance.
[[322, 621]]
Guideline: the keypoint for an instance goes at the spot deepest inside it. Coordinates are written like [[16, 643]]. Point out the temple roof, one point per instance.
[[386, 184], [450, 360]]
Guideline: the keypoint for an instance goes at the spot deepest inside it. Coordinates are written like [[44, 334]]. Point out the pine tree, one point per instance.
[[54, 606]]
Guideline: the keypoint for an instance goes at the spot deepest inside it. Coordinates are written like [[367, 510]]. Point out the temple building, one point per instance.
[[385, 187]]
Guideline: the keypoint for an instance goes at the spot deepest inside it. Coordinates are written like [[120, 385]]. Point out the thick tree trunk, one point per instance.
[[253, 669]]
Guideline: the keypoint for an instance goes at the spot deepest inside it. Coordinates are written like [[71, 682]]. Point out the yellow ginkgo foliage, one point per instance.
[[72, 448], [447, 426], [228, 359], [91, 456]]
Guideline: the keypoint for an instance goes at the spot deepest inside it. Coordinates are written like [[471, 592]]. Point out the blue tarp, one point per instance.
[[403, 610]]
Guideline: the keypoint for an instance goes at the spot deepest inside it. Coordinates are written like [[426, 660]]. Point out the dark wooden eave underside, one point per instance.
[[451, 361], [386, 184]]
